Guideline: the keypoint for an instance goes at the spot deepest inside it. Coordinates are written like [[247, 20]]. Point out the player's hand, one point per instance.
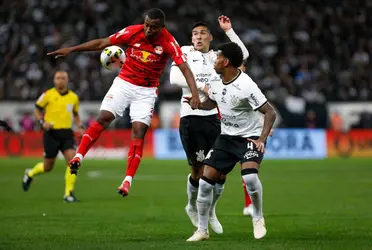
[[260, 144], [225, 23], [60, 52], [197, 104], [46, 126]]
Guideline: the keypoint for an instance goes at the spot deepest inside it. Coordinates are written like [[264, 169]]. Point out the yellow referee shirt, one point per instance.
[[58, 108]]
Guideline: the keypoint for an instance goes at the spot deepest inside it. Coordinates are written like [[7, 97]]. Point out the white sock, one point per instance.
[[80, 156], [204, 203], [128, 178], [192, 193], [254, 188], [217, 192]]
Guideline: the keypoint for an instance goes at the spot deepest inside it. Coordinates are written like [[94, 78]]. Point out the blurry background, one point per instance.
[[307, 56]]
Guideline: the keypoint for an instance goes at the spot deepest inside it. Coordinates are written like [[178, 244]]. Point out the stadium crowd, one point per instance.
[[316, 51]]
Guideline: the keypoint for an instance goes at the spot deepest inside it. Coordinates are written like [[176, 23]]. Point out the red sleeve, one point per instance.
[[122, 36], [174, 50]]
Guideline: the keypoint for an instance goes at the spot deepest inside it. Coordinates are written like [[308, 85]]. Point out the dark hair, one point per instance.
[[233, 52], [156, 13], [199, 23]]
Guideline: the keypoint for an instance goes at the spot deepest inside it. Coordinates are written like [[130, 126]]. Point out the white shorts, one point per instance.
[[140, 100]]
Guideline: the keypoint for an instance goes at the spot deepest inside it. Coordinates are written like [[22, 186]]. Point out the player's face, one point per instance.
[[220, 63], [61, 81], [201, 38], [152, 27]]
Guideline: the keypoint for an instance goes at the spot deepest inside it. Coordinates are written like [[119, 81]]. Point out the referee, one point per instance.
[[55, 110]]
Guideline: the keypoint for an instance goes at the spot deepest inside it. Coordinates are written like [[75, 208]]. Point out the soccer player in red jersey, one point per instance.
[[149, 46]]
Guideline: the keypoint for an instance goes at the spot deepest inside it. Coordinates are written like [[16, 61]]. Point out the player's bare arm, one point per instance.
[[190, 79], [269, 119], [93, 45]]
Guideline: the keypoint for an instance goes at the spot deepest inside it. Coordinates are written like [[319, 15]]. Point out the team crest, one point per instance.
[[158, 50], [234, 101]]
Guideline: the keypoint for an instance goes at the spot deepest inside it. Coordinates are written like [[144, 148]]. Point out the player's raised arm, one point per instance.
[[96, 44], [121, 37], [225, 24]]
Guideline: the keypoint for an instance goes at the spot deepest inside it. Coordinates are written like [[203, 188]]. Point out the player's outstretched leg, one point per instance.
[[204, 204], [217, 192], [248, 207], [254, 188], [90, 136], [134, 156]]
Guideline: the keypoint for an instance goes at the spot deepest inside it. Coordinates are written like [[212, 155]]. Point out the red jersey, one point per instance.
[[145, 60]]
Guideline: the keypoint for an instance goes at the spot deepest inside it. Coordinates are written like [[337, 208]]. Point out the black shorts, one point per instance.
[[228, 150], [198, 134], [57, 139]]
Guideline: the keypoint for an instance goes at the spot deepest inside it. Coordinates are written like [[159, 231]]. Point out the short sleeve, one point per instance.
[[255, 96], [174, 50], [121, 37], [210, 94], [76, 105], [42, 101]]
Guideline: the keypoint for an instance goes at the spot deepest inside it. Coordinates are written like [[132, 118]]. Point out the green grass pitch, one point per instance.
[[309, 204]]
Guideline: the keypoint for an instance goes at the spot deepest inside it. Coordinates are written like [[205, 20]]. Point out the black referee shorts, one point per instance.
[[198, 134], [57, 140]]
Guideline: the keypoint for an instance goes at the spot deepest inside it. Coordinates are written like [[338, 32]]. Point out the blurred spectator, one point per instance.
[[311, 119], [337, 123], [306, 45], [27, 122]]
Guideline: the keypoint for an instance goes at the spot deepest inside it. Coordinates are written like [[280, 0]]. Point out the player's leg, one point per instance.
[[114, 103], [211, 132], [191, 148], [51, 146], [251, 160], [68, 150], [248, 207], [141, 111], [204, 202], [217, 162]]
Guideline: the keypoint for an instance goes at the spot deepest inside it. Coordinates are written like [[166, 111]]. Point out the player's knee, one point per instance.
[[47, 168], [139, 130], [250, 177], [105, 118]]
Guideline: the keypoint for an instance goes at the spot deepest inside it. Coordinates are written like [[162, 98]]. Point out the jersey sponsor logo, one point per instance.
[[144, 56], [215, 78], [255, 100], [196, 60], [250, 154], [224, 91], [228, 123], [158, 50], [236, 86]]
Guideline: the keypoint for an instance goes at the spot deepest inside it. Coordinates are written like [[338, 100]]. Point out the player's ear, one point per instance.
[[210, 37], [226, 62]]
